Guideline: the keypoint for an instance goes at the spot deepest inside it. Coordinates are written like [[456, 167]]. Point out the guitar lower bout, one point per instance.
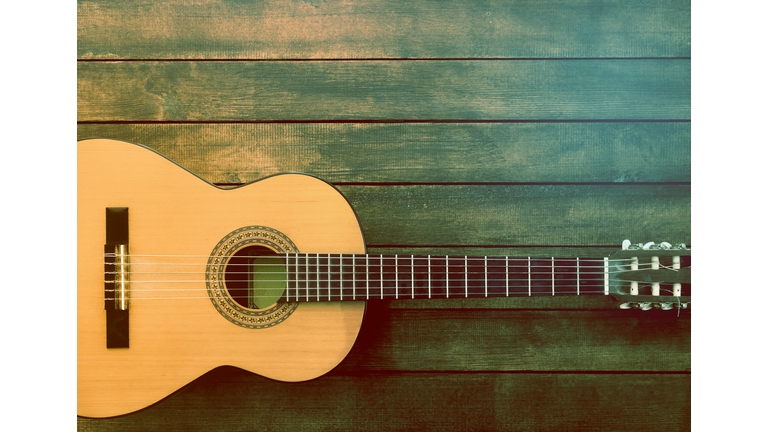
[[176, 224]]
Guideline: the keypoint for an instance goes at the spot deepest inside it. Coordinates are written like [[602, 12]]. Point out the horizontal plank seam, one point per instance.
[[378, 59], [376, 184], [390, 246], [172, 122], [498, 183], [509, 372], [442, 310]]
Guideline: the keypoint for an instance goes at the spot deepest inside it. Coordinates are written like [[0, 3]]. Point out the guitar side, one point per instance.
[[175, 337]]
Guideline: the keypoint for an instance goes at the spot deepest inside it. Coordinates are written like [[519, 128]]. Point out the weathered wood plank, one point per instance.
[[233, 400], [520, 340], [384, 90], [420, 152], [522, 214], [382, 29]]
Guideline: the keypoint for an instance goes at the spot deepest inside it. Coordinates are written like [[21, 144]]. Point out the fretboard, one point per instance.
[[340, 277]]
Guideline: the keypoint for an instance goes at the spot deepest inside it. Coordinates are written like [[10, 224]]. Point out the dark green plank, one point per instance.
[[395, 339], [232, 400], [421, 90], [522, 214], [383, 29], [420, 152]]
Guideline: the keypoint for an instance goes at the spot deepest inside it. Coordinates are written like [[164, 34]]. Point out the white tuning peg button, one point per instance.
[[665, 245], [625, 244], [646, 306], [666, 306], [648, 245]]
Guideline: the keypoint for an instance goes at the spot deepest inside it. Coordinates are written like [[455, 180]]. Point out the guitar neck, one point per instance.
[[340, 277]]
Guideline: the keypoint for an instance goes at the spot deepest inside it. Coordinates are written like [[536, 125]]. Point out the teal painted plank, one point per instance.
[[577, 215], [384, 90], [233, 29], [420, 152]]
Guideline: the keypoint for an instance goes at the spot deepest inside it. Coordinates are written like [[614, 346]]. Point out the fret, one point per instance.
[[447, 278], [429, 275], [341, 277], [367, 280], [485, 263], [553, 275], [529, 276], [329, 277], [354, 277], [578, 277], [506, 274], [466, 279]]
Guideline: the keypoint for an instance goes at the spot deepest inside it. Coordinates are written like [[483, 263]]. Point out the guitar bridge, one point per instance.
[[116, 288]]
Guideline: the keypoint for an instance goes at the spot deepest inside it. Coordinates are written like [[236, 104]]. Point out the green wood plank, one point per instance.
[[420, 152], [522, 214], [382, 29], [384, 90], [233, 400], [520, 340]]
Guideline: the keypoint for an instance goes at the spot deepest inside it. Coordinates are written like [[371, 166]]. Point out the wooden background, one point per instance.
[[488, 127]]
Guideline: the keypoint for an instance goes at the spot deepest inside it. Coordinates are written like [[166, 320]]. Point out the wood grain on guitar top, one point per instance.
[[174, 340]]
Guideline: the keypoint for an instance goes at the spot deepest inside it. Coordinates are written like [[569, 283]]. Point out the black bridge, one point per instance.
[[117, 318]]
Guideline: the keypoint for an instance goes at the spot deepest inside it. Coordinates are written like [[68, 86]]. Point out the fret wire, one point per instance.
[[429, 277], [553, 275], [529, 276], [354, 276], [447, 281], [317, 268], [413, 281], [466, 278], [506, 273], [367, 283], [381, 273], [329, 277], [577, 276], [341, 277], [485, 261], [606, 276], [306, 277]]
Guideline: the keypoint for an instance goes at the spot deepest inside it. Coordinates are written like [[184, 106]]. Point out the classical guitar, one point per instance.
[[176, 276]]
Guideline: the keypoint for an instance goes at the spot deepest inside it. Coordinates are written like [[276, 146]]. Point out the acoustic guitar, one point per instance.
[[176, 276]]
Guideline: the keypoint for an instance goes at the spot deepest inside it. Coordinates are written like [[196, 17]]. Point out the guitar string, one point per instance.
[[355, 257], [378, 296], [490, 270]]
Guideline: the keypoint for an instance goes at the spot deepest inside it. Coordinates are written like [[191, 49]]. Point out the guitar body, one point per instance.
[[175, 337]]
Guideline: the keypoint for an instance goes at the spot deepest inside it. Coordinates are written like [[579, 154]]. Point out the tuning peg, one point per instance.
[[627, 305], [645, 306], [681, 246], [649, 245], [666, 306], [664, 245], [625, 244]]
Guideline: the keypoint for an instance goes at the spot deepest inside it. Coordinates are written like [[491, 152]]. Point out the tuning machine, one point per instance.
[[651, 305]]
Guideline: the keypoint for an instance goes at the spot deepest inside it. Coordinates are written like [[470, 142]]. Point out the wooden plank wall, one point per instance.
[[542, 127]]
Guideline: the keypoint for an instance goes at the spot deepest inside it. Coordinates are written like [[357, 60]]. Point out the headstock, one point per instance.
[[648, 276]]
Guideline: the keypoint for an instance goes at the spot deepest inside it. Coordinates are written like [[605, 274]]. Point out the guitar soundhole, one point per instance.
[[255, 277]]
